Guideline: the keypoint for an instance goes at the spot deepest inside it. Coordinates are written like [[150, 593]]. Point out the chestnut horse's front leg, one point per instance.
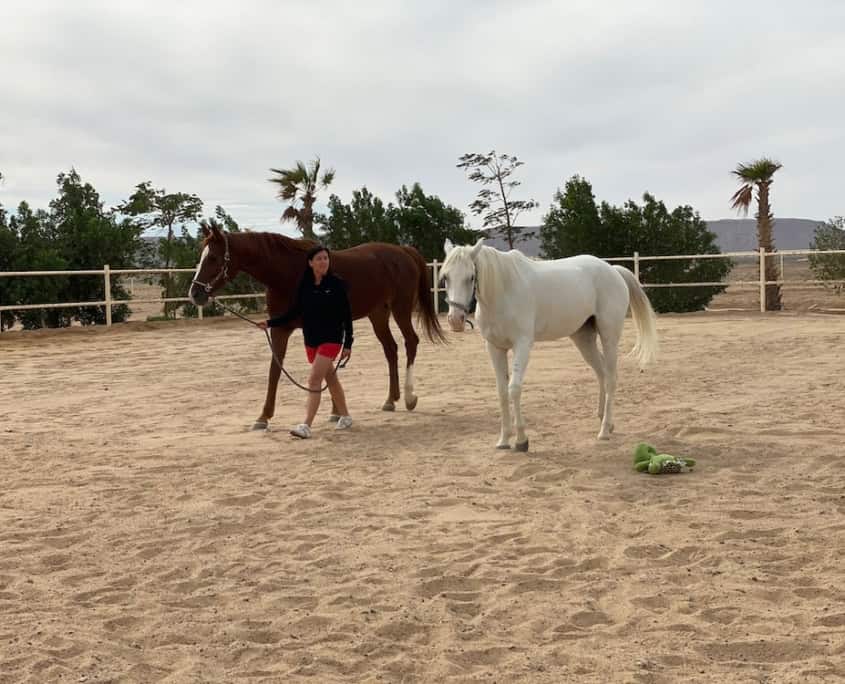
[[279, 338], [380, 318]]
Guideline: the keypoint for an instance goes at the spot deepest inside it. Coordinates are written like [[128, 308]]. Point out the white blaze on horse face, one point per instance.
[[197, 274]]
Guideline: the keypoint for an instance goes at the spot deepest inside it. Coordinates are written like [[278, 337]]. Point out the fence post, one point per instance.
[[637, 266], [107, 278], [762, 280], [434, 274], [199, 312]]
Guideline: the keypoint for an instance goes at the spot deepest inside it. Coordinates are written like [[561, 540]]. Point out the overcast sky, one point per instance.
[[661, 96]]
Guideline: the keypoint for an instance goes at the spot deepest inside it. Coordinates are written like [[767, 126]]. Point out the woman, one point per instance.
[[322, 303]]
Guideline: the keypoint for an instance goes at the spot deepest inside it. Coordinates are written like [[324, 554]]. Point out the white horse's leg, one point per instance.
[[499, 359], [586, 342], [610, 335], [521, 351]]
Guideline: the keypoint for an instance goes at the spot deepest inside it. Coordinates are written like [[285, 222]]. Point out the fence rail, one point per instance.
[[107, 273]]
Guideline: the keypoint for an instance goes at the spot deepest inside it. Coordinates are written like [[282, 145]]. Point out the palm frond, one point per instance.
[[290, 214], [742, 198], [290, 181], [757, 171], [327, 178]]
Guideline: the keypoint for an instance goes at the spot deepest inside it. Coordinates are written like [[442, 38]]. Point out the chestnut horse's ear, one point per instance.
[[210, 228]]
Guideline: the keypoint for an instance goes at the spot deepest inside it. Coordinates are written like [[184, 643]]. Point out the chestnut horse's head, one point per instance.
[[217, 265]]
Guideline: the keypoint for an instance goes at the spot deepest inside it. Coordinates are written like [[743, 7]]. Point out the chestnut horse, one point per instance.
[[382, 279]]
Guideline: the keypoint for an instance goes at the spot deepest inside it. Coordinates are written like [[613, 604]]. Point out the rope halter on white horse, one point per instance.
[[465, 307]]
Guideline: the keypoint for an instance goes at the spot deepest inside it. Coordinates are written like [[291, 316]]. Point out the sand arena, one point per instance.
[[148, 535]]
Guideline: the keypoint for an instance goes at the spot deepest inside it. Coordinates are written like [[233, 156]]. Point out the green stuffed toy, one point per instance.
[[646, 458]]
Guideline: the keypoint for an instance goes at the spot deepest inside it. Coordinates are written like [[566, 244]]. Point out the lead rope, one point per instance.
[[340, 363]]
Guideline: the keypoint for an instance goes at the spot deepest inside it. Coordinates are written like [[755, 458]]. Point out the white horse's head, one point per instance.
[[459, 275]]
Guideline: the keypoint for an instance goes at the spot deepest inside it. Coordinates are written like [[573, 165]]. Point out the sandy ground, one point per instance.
[[148, 535]]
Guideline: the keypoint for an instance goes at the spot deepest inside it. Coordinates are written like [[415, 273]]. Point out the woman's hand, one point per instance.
[[345, 354], [262, 324]]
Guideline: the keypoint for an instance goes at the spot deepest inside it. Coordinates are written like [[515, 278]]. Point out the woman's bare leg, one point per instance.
[[321, 367], [338, 395]]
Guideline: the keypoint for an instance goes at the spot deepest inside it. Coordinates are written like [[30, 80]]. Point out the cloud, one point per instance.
[[206, 97]]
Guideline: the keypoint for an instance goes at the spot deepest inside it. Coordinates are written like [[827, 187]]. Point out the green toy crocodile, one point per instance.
[[646, 458]]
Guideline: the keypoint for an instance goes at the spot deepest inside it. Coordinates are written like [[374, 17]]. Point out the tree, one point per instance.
[[574, 225], [153, 208], [572, 222], [76, 234], [39, 249], [365, 219], [299, 185], [758, 176], [830, 235], [8, 258], [87, 237], [425, 222], [499, 210]]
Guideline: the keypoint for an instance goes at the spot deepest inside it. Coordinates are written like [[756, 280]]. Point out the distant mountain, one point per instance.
[[740, 235], [732, 235]]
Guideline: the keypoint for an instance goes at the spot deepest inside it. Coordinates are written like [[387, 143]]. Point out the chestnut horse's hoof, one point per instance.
[[259, 425], [521, 446], [388, 406], [412, 404]]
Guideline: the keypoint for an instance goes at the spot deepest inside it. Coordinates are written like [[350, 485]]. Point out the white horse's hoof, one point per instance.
[[603, 436], [333, 418], [259, 425], [411, 404], [521, 446], [503, 446]]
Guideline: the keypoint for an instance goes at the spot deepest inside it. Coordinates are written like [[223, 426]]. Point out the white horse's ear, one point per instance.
[[447, 247], [477, 247]]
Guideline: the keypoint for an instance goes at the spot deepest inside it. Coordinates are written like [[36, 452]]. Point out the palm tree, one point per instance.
[[300, 184], [757, 175]]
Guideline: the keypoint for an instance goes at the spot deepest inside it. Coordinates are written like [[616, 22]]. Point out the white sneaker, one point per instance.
[[343, 423], [303, 431]]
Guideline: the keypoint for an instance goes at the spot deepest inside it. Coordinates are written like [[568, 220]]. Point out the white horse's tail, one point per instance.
[[645, 350]]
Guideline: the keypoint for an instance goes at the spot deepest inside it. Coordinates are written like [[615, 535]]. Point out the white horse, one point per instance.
[[521, 300]]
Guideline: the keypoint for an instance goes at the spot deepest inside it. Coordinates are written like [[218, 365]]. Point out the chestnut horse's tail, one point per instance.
[[426, 315]]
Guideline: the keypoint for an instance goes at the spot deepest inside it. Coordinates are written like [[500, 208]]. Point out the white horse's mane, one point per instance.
[[496, 272]]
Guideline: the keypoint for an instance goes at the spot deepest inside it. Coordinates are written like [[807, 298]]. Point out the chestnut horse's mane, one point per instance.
[[269, 242]]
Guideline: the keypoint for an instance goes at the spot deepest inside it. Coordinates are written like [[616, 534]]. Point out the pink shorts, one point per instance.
[[327, 349]]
